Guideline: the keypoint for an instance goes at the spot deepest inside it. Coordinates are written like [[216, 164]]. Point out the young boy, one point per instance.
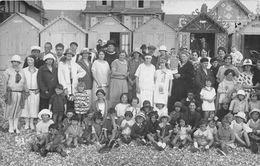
[[138, 130], [203, 138], [52, 143], [58, 105], [164, 130], [73, 132], [67, 120], [151, 126], [97, 130], [126, 126]]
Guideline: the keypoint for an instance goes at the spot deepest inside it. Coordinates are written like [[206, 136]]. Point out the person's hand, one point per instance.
[[46, 92]]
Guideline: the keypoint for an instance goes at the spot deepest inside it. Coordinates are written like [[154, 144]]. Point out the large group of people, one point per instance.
[[105, 97]]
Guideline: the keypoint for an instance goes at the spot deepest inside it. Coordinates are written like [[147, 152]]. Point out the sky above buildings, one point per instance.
[[170, 6]]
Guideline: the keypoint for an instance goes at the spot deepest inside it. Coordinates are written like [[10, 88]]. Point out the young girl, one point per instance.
[[254, 102], [147, 108], [176, 114], [73, 133], [122, 106], [126, 126], [42, 126], [254, 124], [241, 129], [81, 101], [183, 133], [97, 129], [134, 108], [212, 127], [151, 126], [138, 129], [161, 109], [240, 103], [208, 95], [164, 130], [67, 120], [88, 121]]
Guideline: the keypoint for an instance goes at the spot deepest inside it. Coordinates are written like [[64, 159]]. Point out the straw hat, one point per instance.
[[254, 110], [241, 115], [36, 48], [164, 116], [44, 111], [162, 48], [49, 56], [247, 62], [140, 114], [16, 58], [241, 92]]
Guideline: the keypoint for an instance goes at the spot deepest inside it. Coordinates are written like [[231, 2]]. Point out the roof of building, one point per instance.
[[244, 25], [30, 20], [74, 15], [173, 19], [237, 2], [35, 4], [62, 17], [123, 10]]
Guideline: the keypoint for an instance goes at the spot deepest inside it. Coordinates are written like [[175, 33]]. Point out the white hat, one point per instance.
[[35, 48], [137, 50], [241, 115], [163, 116], [247, 62], [148, 55], [254, 110], [44, 111], [16, 58], [49, 56], [85, 51], [241, 92], [163, 48], [141, 114]]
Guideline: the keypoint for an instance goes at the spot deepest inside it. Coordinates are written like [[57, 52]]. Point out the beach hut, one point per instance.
[[155, 32], [63, 30], [110, 29], [17, 34]]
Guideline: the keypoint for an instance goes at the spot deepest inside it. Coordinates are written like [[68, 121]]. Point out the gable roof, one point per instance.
[[237, 2], [110, 16], [154, 18], [35, 4], [62, 17], [207, 17], [174, 19], [28, 19]]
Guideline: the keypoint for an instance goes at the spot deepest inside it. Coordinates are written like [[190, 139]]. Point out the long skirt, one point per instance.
[[31, 107], [145, 95], [117, 87], [13, 110]]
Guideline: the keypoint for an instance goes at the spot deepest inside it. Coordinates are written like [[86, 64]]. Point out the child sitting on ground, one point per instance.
[[225, 137], [241, 129], [122, 106], [126, 126], [212, 127], [52, 143], [73, 133], [86, 137], [138, 130], [42, 127], [254, 124], [67, 120], [151, 127], [254, 102], [203, 138], [147, 108], [164, 130], [239, 104], [182, 133], [176, 114], [161, 109], [134, 108], [97, 129]]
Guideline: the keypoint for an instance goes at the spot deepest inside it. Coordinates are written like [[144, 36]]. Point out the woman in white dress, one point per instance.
[[163, 83], [31, 107], [101, 74]]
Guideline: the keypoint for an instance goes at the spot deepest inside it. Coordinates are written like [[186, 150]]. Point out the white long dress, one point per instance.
[[31, 107]]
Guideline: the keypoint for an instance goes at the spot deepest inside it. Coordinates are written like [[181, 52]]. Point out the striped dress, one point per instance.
[[81, 102]]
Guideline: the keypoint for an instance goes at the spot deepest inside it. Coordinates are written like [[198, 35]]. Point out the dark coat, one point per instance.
[[138, 131], [201, 77], [47, 81], [110, 57], [192, 118], [87, 79]]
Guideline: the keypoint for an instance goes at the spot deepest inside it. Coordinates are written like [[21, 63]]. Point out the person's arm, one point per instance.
[[41, 83], [231, 107], [170, 85], [137, 73]]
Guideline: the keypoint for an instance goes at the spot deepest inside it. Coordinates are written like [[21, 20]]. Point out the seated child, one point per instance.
[[164, 130], [126, 126], [151, 126], [122, 106], [138, 130], [240, 103], [191, 98], [97, 129], [254, 102], [67, 120], [241, 129], [73, 132], [176, 114], [212, 127], [111, 128], [52, 143], [225, 137], [42, 127], [58, 105], [182, 133], [147, 108], [161, 109], [134, 108], [224, 109], [203, 138], [87, 123], [254, 124]]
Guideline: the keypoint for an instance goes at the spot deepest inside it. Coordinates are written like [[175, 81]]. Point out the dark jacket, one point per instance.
[[110, 57], [201, 77], [138, 131], [55, 139], [87, 79], [47, 81], [150, 127], [192, 118]]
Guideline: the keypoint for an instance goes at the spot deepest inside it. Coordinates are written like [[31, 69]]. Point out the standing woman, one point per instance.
[[85, 63], [69, 72], [47, 79], [183, 79], [101, 74], [31, 107], [204, 54], [118, 82], [15, 93], [163, 83], [110, 54]]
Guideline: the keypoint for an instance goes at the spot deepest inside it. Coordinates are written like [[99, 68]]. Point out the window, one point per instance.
[[104, 2], [137, 21], [140, 3]]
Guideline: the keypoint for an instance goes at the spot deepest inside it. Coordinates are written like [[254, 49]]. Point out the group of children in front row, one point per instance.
[[146, 126]]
